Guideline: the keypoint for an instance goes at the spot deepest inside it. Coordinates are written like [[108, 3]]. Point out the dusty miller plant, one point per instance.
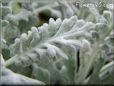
[[56, 42]]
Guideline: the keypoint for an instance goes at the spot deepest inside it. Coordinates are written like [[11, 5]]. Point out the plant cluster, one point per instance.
[[56, 42]]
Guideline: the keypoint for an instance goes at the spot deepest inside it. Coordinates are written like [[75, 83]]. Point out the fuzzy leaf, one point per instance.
[[11, 78], [27, 48]]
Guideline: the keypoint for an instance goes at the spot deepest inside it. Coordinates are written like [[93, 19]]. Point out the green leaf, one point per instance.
[[41, 74]]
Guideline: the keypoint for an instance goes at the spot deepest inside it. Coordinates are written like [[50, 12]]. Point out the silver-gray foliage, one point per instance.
[[74, 48]]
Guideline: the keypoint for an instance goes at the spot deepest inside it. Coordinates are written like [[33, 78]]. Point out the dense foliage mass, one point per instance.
[[56, 42]]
